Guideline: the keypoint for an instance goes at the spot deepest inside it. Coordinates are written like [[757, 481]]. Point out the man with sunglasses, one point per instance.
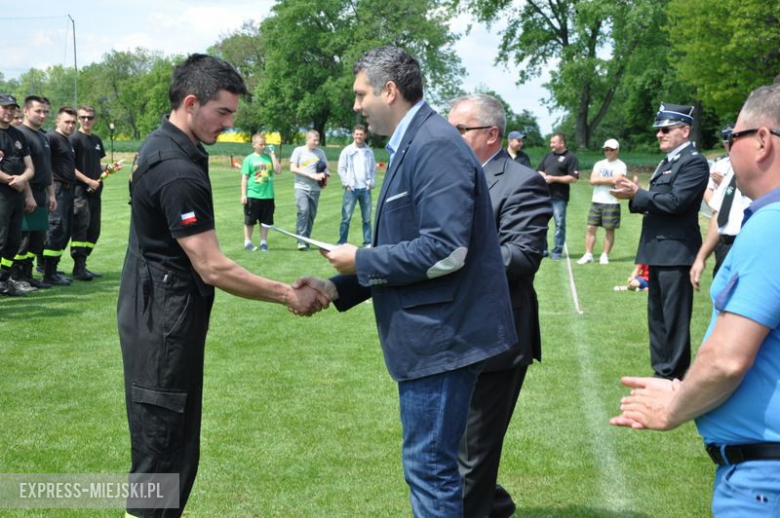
[[670, 237], [733, 387], [86, 203]]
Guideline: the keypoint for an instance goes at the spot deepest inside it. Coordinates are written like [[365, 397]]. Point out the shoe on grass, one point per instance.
[[585, 259], [250, 247], [604, 259], [263, 247]]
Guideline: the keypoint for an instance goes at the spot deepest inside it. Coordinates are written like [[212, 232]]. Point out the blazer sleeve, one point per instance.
[[427, 232], [523, 220], [686, 188], [351, 293]]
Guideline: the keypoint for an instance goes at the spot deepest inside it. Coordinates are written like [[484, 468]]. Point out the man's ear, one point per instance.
[[391, 92], [189, 101], [494, 136]]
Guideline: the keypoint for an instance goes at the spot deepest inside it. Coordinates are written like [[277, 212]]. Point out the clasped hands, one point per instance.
[[311, 294], [624, 189], [648, 405]]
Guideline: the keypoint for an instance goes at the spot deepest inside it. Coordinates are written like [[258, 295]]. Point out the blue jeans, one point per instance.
[[306, 202], [434, 410], [747, 489], [362, 196], [559, 216]]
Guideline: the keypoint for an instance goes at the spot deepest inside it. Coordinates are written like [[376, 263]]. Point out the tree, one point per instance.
[[524, 121], [592, 42], [725, 49], [305, 80]]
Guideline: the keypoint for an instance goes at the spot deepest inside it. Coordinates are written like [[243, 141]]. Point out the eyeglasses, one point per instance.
[[744, 133], [87, 117], [666, 129], [463, 129]]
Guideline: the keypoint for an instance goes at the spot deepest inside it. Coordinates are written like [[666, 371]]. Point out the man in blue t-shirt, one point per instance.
[[732, 389]]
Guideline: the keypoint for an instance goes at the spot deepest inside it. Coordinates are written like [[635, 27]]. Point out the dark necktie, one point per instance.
[[660, 168], [728, 200]]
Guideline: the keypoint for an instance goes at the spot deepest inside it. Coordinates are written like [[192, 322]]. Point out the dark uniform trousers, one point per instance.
[[11, 217], [162, 320], [669, 306], [60, 223], [86, 221], [32, 241], [492, 405]]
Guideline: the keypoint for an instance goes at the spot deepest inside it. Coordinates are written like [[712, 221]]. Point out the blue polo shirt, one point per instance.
[[748, 284]]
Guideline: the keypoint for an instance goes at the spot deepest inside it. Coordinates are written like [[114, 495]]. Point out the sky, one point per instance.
[[44, 37]]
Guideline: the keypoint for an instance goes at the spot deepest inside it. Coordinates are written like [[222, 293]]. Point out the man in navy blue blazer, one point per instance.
[[434, 272]]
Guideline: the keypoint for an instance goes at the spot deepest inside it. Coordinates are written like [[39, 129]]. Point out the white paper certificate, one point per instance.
[[319, 244]]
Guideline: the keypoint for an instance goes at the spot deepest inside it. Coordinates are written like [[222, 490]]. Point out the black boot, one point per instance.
[[27, 269], [50, 275], [80, 269], [92, 274], [6, 286]]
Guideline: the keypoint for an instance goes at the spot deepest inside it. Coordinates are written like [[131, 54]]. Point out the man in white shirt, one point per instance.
[[310, 166], [604, 208], [357, 169]]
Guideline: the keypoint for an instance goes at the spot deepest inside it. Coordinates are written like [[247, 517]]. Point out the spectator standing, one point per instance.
[[604, 208], [257, 191], [357, 170], [514, 146], [310, 166], [560, 169]]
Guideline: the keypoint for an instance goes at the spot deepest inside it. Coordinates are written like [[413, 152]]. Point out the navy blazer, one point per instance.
[[670, 227], [435, 272], [522, 210]]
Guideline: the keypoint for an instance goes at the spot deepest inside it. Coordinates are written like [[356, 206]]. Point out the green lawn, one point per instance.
[[300, 415]]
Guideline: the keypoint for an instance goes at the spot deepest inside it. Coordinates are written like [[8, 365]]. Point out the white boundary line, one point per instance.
[[572, 286]]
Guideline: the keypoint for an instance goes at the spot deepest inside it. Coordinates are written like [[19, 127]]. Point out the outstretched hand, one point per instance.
[[306, 300]]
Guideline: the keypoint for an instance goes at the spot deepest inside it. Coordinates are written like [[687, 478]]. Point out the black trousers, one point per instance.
[[60, 221], [492, 404], [669, 309], [162, 321], [721, 251], [86, 222], [11, 217]]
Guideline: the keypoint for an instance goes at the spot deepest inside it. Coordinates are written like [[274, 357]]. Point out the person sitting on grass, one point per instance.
[[257, 191], [637, 281]]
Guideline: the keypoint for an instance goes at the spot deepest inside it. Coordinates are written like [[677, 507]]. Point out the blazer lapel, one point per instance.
[[495, 168]]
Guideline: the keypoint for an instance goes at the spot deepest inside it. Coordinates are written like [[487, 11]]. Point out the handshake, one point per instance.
[[310, 295]]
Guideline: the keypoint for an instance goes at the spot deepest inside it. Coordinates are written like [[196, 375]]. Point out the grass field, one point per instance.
[[300, 415]]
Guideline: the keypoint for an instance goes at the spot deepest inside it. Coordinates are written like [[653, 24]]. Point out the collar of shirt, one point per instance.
[[677, 150], [759, 203], [491, 158], [400, 130], [195, 152]]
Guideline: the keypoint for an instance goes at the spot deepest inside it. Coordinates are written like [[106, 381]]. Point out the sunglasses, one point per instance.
[[87, 117], [463, 129], [609, 149], [744, 133], [667, 129]]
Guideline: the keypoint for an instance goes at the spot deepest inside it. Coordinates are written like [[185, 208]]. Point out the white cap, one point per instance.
[[612, 144]]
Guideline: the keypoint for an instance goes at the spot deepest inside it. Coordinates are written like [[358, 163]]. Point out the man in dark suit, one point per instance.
[[521, 211], [440, 309], [670, 237]]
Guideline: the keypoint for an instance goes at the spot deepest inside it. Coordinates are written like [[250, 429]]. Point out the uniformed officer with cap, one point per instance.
[[16, 169], [514, 146], [670, 237]]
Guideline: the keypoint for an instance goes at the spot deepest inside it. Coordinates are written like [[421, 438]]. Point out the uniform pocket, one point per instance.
[[158, 416]]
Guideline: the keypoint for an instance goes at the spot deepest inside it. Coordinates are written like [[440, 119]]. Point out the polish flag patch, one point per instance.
[[188, 218]]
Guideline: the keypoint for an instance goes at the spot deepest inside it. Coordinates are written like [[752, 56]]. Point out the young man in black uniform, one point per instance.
[[86, 200], [16, 169], [35, 113], [172, 265], [63, 165]]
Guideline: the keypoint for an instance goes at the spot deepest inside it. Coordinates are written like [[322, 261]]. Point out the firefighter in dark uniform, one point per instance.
[[63, 166], [172, 265], [35, 112], [670, 237], [16, 169], [87, 203]]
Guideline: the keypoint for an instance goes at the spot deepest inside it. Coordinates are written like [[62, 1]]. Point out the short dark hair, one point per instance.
[[203, 76], [359, 127], [383, 64], [560, 135], [70, 110], [87, 108], [30, 99]]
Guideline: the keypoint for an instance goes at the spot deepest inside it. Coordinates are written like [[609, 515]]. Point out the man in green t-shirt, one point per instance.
[[257, 191]]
